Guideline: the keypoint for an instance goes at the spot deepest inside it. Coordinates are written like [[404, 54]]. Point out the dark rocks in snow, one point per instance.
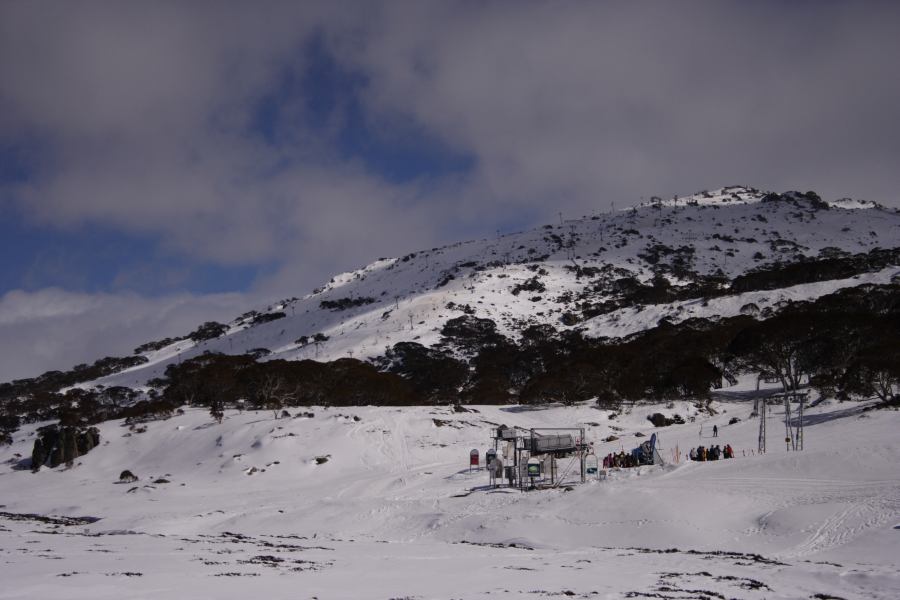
[[127, 476], [65, 521], [345, 303], [660, 420], [529, 285], [445, 280], [267, 318], [57, 445], [751, 308]]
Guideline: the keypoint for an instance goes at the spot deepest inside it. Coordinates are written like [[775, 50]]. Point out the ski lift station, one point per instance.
[[537, 457], [546, 457]]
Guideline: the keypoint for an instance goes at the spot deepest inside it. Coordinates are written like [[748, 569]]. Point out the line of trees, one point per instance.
[[843, 344]]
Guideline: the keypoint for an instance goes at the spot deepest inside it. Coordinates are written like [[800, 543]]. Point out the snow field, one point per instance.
[[394, 512]]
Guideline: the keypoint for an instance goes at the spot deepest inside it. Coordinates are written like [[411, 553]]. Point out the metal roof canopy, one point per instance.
[[544, 443], [507, 432]]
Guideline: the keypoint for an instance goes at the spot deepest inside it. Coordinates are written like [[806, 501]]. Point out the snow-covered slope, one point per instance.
[[538, 276], [378, 502], [244, 507]]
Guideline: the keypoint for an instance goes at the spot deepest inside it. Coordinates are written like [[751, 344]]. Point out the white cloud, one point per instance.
[[54, 329]]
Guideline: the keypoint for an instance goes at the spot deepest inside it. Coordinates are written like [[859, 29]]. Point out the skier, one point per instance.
[[715, 431]]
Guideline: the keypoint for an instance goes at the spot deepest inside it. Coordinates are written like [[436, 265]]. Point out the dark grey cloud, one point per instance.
[[139, 117], [143, 111], [583, 103]]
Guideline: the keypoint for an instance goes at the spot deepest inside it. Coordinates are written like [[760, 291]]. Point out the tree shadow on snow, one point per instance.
[[521, 408], [23, 464], [841, 413], [743, 396]]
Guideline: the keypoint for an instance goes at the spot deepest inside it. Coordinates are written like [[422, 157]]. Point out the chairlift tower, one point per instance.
[[788, 436], [761, 446], [795, 427]]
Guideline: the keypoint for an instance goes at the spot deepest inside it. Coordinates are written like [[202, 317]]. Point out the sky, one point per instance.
[[166, 163]]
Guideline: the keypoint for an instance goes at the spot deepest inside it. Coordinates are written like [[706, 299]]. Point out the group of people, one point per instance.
[[712, 453], [621, 460]]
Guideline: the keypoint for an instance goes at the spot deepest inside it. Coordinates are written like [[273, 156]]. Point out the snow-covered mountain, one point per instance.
[[578, 274], [211, 500]]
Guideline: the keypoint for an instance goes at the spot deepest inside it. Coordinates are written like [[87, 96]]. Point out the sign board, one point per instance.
[[534, 467], [473, 458], [591, 466], [490, 455]]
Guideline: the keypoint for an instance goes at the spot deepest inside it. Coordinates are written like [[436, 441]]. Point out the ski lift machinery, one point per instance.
[[543, 456]]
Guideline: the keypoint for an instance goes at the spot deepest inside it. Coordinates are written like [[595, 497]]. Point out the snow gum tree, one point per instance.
[[776, 346]]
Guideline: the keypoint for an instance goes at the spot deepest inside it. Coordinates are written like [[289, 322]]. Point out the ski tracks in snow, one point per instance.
[[848, 523], [857, 507]]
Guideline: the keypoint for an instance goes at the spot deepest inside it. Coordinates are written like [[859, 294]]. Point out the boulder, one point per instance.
[[659, 420], [57, 445], [127, 476]]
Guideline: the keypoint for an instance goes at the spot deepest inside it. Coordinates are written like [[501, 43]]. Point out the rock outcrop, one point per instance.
[[57, 445]]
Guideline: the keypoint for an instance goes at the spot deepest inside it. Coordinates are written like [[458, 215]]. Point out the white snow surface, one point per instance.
[[243, 509], [730, 230]]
